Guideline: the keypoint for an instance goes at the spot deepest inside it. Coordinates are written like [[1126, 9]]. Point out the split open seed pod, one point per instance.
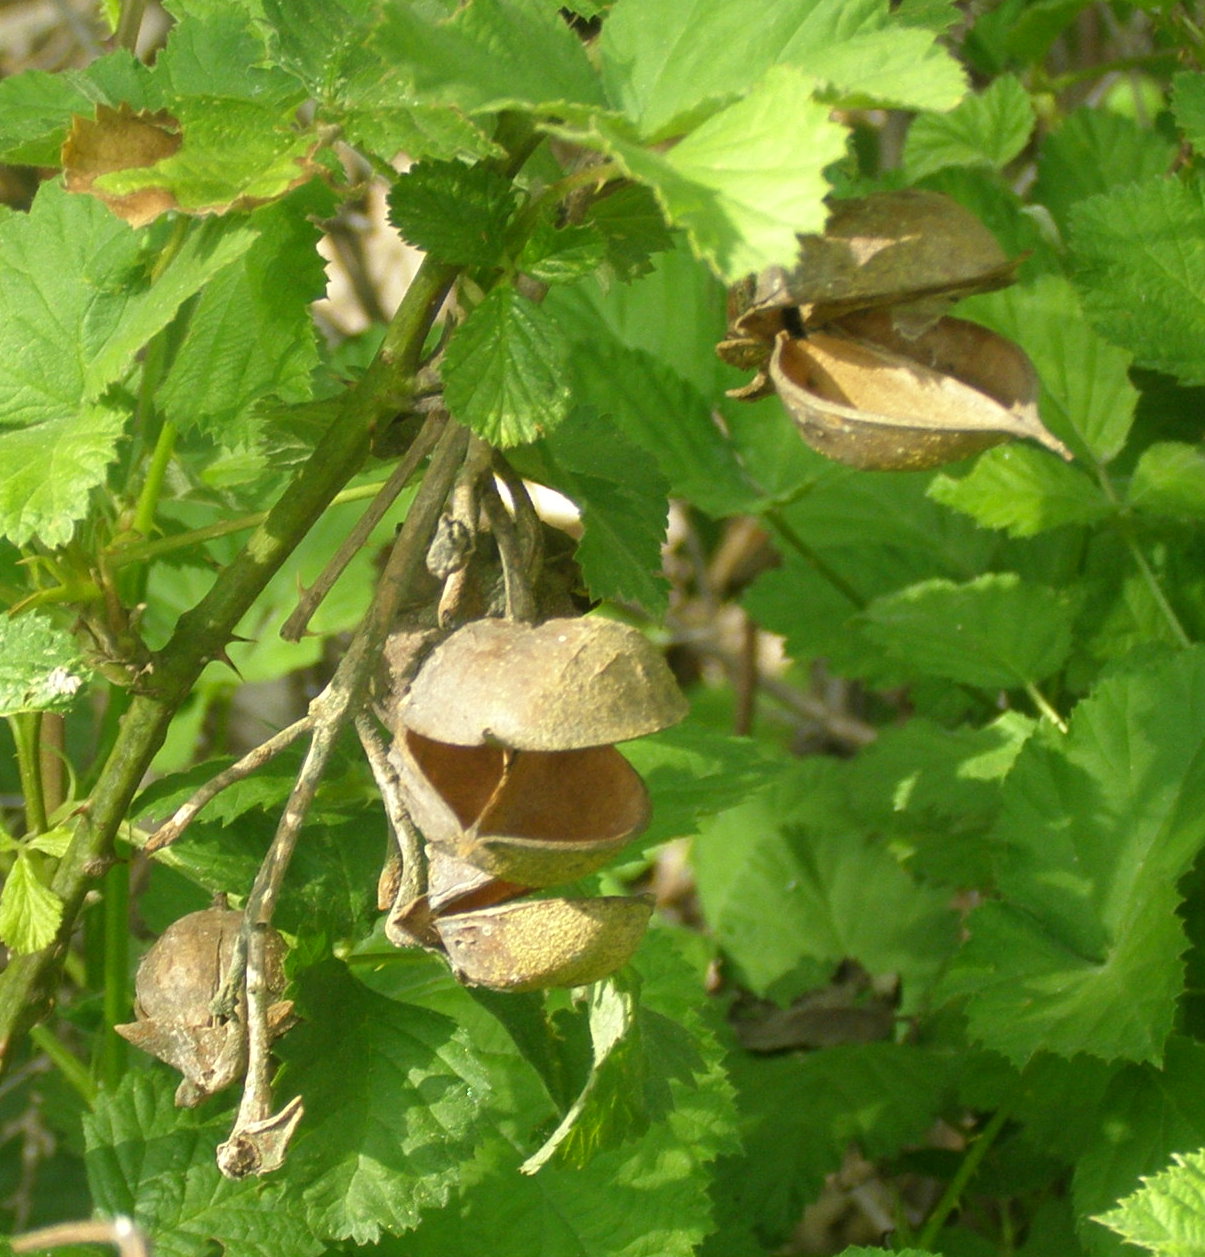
[[537, 818], [557, 686], [535, 944], [865, 394], [175, 987]]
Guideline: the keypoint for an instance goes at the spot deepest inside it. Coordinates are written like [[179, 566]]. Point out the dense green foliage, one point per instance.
[[961, 938]]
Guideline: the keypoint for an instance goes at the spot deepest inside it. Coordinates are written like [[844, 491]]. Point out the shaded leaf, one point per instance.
[[1188, 105], [155, 1163], [995, 631], [1169, 480], [1081, 953], [989, 128]]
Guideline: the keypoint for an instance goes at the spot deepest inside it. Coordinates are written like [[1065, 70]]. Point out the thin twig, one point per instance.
[[527, 519], [413, 881], [169, 831], [122, 1232], [257, 1142], [295, 626], [520, 599]]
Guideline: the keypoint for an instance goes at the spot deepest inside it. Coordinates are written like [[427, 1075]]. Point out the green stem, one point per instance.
[[67, 1064], [777, 521], [152, 486], [1042, 703], [979, 1149], [26, 727], [115, 907], [28, 983]]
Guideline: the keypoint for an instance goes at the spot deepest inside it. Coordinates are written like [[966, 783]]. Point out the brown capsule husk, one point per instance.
[[562, 685], [536, 944], [863, 393], [454, 885], [537, 818], [175, 987]]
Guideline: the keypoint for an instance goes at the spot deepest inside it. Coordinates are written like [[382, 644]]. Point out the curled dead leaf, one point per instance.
[[865, 394], [542, 943], [561, 685], [121, 139]]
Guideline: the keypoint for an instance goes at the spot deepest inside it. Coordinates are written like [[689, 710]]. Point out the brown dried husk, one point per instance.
[[557, 686], [863, 393], [538, 818], [535, 944]]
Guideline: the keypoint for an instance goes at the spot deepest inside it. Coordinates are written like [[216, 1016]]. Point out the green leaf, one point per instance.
[[665, 63], [390, 1108], [1146, 1116], [35, 111], [250, 335], [1087, 397], [622, 498], [1023, 491], [457, 213], [558, 255], [154, 1163], [742, 184], [1092, 151], [217, 52], [1082, 951], [693, 772], [30, 911], [506, 370], [38, 665], [779, 888], [1019, 32], [490, 55], [1140, 259], [995, 631], [76, 306], [1167, 1215], [660, 411], [802, 1111], [1169, 480], [987, 129], [1188, 105]]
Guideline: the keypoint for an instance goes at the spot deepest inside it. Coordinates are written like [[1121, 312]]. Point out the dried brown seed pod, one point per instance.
[[867, 395], [175, 987], [541, 943], [538, 818], [557, 686]]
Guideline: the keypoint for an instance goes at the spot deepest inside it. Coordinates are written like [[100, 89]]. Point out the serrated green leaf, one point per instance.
[[490, 55], [154, 1163], [994, 631], [39, 664], [506, 370], [1092, 151], [1188, 105], [622, 498], [251, 334], [30, 911], [558, 255], [1169, 480], [661, 412], [692, 772], [1023, 491], [664, 63], [35, 111], [324, 43], [1145, 1117], [390, 1108], [217, 52], [742, 184], [633, 228], [1167, 1215], [1140, 268], [457, 213], [778, 890], [801, 1112], [1082, 951], [988, 129], [1087, 397]]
